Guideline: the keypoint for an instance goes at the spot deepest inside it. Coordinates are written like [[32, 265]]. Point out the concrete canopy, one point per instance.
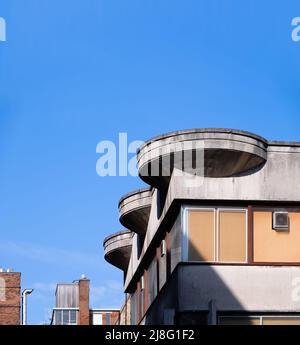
[[134, 209], [117, 249], [225, 153]]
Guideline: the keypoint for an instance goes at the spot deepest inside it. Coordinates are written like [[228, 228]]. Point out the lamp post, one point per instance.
[[24, 305]]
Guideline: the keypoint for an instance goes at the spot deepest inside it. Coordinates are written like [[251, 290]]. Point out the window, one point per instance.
[[133, 308], [202, 235], [107, 319], [97, 319], [152, 281], [58, 317], [65, 317], [142, 297], [162, 264], [232, 236], [163, 248], [217, 235], [175, 242], [73, 316]]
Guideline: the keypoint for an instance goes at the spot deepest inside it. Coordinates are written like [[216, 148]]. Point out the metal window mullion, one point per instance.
[[217, 234], [185, 235]]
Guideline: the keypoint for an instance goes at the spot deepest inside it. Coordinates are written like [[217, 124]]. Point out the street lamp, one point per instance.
[[24, 305]]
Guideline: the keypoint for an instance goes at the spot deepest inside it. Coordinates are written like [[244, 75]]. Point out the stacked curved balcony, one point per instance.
[[117, 249], [134, 210], [225, 153]]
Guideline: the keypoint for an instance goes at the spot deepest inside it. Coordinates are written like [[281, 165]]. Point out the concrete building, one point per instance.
[[73, 306], [10, 297], [215, 239]]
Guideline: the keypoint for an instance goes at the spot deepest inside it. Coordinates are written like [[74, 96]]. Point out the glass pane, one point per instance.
[[133, 308], [73, 316], [176, 237], [108, 319], [232, 236], [65, 319], [162, 263], [97, 319], [152, 281], [57, 317], [201, 235]]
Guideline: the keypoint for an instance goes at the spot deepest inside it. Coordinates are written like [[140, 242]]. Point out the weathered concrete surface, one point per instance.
[[231, 288], [134, 210], [117, 249], [239, 166], [221, 153], [275, 181], [239, 288]]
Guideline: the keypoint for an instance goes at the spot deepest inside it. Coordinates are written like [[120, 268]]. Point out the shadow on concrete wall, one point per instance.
[[170, 307]]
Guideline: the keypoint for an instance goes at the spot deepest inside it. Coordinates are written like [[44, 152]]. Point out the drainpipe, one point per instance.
[[24, 305]]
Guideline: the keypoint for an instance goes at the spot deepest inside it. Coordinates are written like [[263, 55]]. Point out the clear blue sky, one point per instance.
[[73, 73]]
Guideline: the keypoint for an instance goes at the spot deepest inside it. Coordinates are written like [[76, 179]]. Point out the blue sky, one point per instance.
[[73, 73]]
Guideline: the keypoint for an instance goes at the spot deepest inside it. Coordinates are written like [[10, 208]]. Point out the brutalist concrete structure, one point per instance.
[[215, 239]]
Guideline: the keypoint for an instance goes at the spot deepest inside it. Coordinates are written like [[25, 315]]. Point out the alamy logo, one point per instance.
[[2, 30], [296, 30], [172, 159]]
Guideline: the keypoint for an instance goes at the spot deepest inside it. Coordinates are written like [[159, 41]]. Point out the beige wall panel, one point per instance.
[[275, 246], [201, 235], [280, 321], [232, 236]]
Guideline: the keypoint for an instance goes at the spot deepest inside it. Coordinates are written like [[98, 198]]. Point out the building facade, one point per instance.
[[72, 306], [10, 297], [215, 239]]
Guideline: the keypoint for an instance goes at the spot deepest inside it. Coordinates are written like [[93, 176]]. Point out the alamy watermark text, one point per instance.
[[2, 29]]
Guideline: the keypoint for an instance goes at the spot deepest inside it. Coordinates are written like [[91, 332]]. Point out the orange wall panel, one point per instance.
[[275, 246]]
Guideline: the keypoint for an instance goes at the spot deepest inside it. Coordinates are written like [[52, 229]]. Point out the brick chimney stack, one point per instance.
[[84, 301]]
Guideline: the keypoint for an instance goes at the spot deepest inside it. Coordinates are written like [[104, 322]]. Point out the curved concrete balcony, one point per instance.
[[117, 249], [134, 209], [204, 152]]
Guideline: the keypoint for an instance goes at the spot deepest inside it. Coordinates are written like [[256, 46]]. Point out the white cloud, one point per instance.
[[108, 295], [45, 254], [46, 287]]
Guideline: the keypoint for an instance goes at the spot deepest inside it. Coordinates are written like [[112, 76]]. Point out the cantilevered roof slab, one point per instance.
[[134, 210], [117, 249], [204, 152]]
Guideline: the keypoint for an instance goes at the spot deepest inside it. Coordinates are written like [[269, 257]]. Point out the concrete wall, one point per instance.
[[194, 288], [239, 288], [272, 182]]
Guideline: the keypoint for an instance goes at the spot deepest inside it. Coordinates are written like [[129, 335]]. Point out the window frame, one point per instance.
[[216, 235], [261, 317], [61, 312]]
